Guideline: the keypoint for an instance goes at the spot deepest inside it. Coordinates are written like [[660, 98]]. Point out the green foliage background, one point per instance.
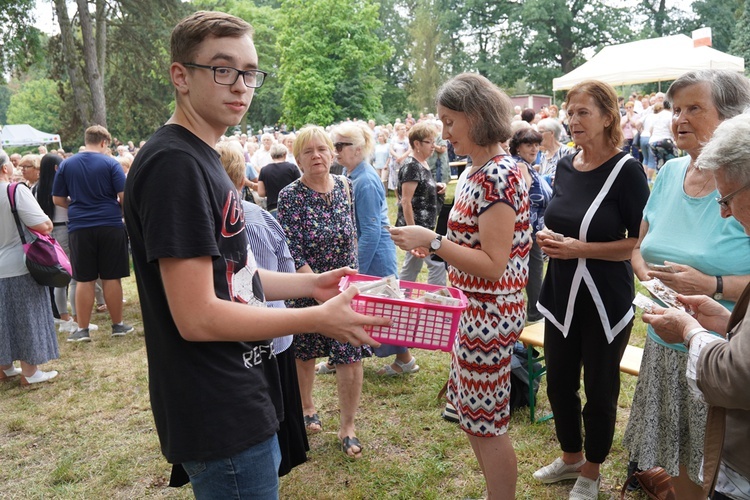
[[329, 60]]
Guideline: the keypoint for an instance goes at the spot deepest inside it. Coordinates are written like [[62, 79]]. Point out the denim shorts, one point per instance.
[[253, 473]]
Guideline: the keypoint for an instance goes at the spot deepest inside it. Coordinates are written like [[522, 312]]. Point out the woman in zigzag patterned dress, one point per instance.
[[487, 248]]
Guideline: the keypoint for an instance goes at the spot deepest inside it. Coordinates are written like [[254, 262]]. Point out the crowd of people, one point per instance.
[[238, 245]]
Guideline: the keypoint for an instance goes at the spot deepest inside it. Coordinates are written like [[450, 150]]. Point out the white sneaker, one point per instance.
[[38, 377], [93, 327], [69, 326], [585, 489], [558, 471]]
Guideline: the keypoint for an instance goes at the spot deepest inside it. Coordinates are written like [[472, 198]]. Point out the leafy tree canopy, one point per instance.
[[37, 104], [329, 54]]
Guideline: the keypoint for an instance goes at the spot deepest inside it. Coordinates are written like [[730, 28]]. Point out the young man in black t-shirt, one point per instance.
[[213, 379]]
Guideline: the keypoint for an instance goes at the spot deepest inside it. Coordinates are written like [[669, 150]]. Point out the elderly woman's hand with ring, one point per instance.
[[685, 279], [671, 324]]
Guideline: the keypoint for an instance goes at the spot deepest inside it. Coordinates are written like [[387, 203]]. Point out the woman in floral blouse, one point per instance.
[[317, 214]]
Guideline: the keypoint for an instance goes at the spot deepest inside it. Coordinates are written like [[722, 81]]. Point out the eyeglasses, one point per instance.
[[226, 75], [724, 200], [24, 167], [339, 146], [427, 142]]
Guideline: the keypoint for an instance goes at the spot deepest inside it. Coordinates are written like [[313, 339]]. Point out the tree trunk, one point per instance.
[[94, 77], [70, 57]]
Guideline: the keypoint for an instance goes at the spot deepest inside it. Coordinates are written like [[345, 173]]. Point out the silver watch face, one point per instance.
[[718, 296], [435, 244]]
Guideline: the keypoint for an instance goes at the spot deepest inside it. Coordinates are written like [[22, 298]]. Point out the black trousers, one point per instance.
[[534, 286], [585, 347]]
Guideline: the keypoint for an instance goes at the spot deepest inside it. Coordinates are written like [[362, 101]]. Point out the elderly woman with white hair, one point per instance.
[[718, 367], [552, 149], [707, 255], [376, 251]]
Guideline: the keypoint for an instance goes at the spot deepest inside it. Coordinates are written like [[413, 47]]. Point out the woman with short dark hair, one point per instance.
[[418, 200], [486, 247], [587, 294], [524, 146]]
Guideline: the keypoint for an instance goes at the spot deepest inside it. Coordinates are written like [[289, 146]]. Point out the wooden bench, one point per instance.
[[533, 336]]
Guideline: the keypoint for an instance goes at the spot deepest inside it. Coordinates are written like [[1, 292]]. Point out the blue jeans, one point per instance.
[[648, 158], [252, 473]]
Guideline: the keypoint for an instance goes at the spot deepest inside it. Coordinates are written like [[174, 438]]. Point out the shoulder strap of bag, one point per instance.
[[347, 189], [12, 188]]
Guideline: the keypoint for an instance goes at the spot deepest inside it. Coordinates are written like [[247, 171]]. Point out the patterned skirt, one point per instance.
[[667, 423], [309, 346], [27, 327], [479, 384]]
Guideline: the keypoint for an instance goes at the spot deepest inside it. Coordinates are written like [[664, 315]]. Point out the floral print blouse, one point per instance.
[[319, 228]]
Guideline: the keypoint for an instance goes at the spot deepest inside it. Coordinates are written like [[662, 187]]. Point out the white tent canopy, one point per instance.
[[656, 60], [26, 135]]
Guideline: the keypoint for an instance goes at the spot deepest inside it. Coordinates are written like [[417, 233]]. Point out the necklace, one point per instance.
[[708, 178], [326, 195]]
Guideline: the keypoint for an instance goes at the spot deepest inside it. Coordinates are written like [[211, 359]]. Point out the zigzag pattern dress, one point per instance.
[[479, 384]]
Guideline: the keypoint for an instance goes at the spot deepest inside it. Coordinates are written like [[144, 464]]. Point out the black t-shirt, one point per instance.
[[424, 203], [618, 216], [210, 399], [275, 177]]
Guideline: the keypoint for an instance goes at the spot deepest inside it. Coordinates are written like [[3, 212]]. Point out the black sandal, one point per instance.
[[347, 443], [313, 420]]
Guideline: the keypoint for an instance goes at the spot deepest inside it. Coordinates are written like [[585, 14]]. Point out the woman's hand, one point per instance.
[[412, 237], [441, 187], [671, 324], [709, 313], [685, 280], [565, 249]]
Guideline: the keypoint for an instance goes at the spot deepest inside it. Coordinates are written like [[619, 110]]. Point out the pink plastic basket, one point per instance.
[[414, 324]]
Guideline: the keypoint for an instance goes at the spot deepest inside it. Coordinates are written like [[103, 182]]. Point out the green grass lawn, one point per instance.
[[90, 434]]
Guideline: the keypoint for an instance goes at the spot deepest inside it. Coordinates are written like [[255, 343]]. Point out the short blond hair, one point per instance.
[[34, 159], [233, 161], [308, 133], [358, 133]]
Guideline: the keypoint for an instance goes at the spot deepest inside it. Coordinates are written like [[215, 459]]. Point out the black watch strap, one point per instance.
[[719, 288]]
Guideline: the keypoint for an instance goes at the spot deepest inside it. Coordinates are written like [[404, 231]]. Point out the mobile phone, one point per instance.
[[661, 268]]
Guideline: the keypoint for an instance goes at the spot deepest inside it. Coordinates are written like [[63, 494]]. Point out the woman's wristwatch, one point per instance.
[[719, 294], [436, 243]]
